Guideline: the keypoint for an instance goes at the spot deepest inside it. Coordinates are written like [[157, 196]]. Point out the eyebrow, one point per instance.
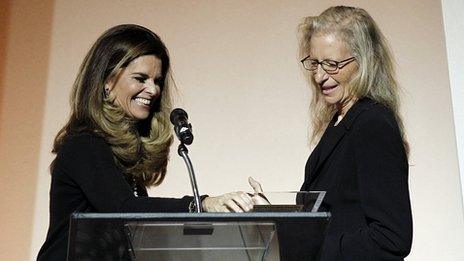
[[311, 58], [141, 74], [146, 76]]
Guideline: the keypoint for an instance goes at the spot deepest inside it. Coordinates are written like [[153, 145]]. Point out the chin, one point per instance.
[[330, 100], [141, 116]]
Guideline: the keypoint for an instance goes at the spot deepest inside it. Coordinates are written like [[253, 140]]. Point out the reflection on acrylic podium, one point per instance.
[[275, 233]]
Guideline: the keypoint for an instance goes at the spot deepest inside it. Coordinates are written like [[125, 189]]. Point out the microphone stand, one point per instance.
[[183, 152]]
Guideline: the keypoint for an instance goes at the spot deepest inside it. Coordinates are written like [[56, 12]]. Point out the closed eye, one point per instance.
[[313, 62], [140, 79], [330, 63]]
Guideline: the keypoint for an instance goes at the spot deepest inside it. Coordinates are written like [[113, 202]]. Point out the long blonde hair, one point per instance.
[[375, 78], [140, 149]]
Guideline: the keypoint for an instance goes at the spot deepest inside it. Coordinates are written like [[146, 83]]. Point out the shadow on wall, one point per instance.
[[25, 42], [4, 25]]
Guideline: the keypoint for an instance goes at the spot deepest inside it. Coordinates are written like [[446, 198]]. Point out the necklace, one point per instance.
[[134, 187]]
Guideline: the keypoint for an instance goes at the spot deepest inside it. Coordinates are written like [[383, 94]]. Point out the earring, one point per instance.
[[106, 92]]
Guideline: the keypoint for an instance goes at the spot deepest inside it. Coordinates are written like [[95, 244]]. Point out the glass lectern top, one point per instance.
[[283, 225], [288, 201]]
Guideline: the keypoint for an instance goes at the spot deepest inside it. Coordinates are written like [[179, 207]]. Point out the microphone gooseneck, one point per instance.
[[183, 130]]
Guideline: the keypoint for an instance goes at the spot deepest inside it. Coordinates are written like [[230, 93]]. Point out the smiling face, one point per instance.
[[332, 86], [137, 86]]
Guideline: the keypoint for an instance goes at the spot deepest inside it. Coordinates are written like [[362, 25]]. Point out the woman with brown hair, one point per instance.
[[116, 142]]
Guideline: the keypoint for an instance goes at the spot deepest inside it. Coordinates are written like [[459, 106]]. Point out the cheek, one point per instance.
[[345, 78], [351, 73], [128, 91]]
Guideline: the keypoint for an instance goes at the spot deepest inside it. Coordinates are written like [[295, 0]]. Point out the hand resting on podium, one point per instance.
[[236, 201]]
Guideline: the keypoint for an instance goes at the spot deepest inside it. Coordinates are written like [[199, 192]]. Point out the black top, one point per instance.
[[362, 165], [86, 179]]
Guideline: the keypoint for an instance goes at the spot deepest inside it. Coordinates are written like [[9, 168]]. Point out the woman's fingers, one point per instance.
[[258, 198], [239, 202], [244, 201], [255, 185], [230, 202], [232, 205], [222, 208]]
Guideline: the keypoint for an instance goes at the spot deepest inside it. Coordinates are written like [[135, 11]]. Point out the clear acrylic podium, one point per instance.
[[263, 235]]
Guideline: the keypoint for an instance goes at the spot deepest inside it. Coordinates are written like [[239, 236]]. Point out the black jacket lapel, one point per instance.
[[330, 143], [327, 147]]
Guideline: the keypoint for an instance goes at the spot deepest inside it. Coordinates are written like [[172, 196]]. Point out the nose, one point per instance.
[[151, 88], [320, 75]]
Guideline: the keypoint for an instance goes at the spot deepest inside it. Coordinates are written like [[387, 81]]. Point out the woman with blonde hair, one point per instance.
[[361, 154], [116, 142]]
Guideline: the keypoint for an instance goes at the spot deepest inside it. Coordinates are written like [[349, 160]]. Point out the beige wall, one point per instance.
[[235, 63], [25, 28]]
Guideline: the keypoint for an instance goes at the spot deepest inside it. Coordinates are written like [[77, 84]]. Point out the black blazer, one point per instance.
[[85, 178], [362, 165]]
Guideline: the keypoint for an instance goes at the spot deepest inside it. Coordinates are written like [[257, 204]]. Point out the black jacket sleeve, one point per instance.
[[382, 173], [88, 161]]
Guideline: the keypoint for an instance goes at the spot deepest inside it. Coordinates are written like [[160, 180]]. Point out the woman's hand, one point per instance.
[[258, 197], [236, 201], [230, 202]]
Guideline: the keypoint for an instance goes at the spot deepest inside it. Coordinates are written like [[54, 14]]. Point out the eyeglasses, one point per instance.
[[330, 66]]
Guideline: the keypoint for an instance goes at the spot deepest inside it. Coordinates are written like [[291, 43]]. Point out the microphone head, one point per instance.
[[183, 129], [177, 114]]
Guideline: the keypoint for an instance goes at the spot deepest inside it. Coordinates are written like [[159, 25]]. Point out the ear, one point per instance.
[[111, 81], [109, 84]]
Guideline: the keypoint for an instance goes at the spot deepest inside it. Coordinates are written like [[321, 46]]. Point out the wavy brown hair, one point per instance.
[[375, 78], [140, 149]]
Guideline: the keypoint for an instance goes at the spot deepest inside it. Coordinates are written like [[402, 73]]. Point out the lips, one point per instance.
[[328, 89]]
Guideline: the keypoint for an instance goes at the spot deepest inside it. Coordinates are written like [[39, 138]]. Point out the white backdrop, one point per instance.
[[454, 30]]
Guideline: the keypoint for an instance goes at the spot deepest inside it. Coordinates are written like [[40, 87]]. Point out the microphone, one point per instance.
[[182, 127]]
